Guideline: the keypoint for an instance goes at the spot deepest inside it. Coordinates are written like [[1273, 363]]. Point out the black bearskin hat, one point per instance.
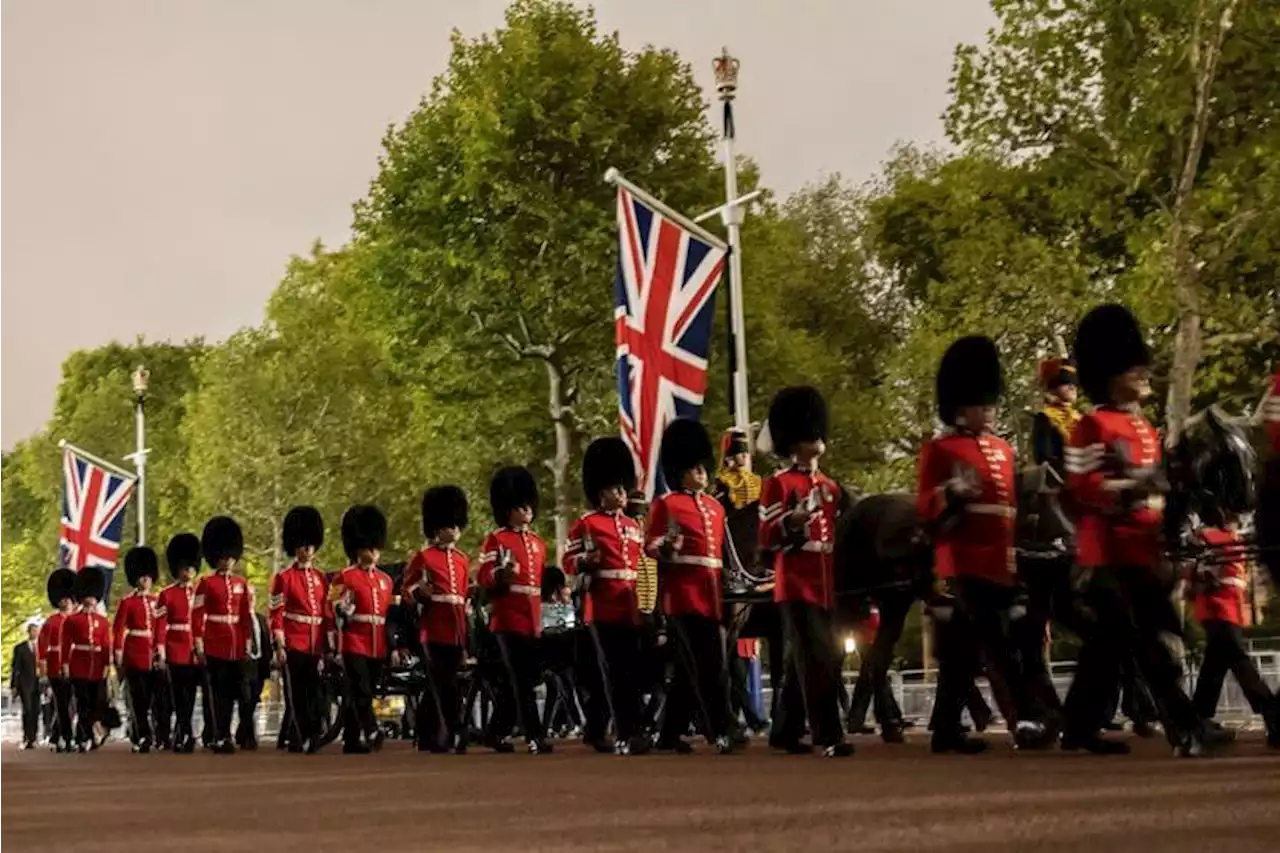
[[183, 552], [1108, 342], [302, 526], [91, 580], [60, 586], [968, 375], [443, 506], [141, 561], [796, 414], [221, 539], [509, 489], [363, 526], [685, 445], [607, 462]]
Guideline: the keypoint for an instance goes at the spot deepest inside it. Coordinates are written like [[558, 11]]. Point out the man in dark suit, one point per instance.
[[258, 669], [24, 682]]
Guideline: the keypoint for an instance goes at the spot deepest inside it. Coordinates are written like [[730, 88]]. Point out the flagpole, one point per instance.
[[613, 176], [726, 73], [141, 376]]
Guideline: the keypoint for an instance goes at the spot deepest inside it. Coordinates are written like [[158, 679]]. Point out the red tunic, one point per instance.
[[299, 611], [436, 578], [617, 540], [689, 582], [1271, 414], [370, 592], [174, 609], [803, 573], [1108, 534], [1225, 600], [134, 630], [49, 644], [517, 609], [980, 543], [221, 618], [86, 646]]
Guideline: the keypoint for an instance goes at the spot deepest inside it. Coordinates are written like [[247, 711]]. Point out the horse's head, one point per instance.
[[1211, 466]]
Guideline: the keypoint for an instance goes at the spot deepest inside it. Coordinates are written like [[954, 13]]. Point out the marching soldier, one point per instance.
[[1114, 478], [220, 624], [604, 547], [688, 537], [967, 496], [86, 654], [436, 579], [798, 515], [1052, 425], [136, 651], [60, 587], [361, 595], [736, 484], [299, 621], [511, 563], [175, 642]]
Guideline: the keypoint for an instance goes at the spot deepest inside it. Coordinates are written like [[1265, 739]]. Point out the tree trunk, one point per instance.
[[1187, 343], [558, 407]]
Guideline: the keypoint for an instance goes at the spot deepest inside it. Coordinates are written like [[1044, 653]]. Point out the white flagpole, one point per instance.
[[613, 176], [96, 460], [141, 376], [726, 72]]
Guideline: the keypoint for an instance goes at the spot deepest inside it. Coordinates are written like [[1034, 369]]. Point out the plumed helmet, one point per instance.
[[139, 562], [90, 581], [968, 375], [796, 414], [61, 584], [221, 540], [303, 526], [607, 463], [685, 445], [733, 442], [1108, 343], [182, 552], [443, 506], [553, 579], [511, 488], [1056, 372], [363, 526]]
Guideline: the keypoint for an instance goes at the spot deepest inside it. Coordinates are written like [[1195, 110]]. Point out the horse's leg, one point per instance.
[[894, 607]]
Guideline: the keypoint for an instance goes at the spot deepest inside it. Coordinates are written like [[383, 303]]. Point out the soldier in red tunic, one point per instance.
[[511, 562], [799, 506], [60, 588], [136, 651], [221, 625], [176, 644], [86, 653], [967, 497], [604, 548], [687, 536], [360, 595], [300, 619], [1115, 484], [436, 579]]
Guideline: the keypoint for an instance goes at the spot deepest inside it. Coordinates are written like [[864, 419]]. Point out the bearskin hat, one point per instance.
[[302, 526], [182, 552], [90, 581], [969, 375], [443, 506], [510, 488], [221, 539], [553, 578], [363, 526], [607, 462], [1056, 372], [685, 445], [60, 585], [733, 442], [1108, 342], [796, 414], [141, 561]]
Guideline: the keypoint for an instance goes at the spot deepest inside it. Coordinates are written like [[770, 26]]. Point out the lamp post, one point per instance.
[[141, 377], [726, 74]]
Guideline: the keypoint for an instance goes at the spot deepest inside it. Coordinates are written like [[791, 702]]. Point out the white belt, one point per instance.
[[77, 647], [818, 547], [704, 562], [525, 589], [223, 619], [370, 620], [181, 626], [137, 632], [617, 574], [1002, 510], [448, 598], [303, 618]]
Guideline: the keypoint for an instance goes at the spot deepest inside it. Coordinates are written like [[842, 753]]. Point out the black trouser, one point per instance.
[[740, 701], [614, 691], [246, 729], [873, 685], [30, 700], [361, 675], [178, 697], [440, 722], [89, 696], [142, 684], [302, 697], [229, 680], [1049, 599], [809, 687], [1131, 608], [1223, 652], [700, 683], [522, 665], [62, 696]]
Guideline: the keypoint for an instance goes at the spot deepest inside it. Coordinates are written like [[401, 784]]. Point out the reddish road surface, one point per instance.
[[886, 798]]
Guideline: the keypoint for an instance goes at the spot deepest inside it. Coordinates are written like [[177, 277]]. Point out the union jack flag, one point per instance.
[[93, 502], [663, 307]]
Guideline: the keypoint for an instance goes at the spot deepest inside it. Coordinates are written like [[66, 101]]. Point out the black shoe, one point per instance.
[[892, 734], [602, 746], [863, 729], [959, 744], [501, 746], [1095, 744], [188, 747], [678, 746], [225, 748], [82, 747], [540, 747], [790, 747], [375, 742], [1029, 734], [838, 750], [294, 748], [249, 746], [724, 745], [355, 748], [1113, 726], [1143, 729], [1204, 742]]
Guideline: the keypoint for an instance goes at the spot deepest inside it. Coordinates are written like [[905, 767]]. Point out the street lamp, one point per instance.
[[140, 378]]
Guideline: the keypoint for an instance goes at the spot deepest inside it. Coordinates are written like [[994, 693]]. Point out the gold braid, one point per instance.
[[1063, 417]]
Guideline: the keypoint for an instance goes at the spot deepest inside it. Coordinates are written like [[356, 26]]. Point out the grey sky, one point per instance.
[[162, 160]]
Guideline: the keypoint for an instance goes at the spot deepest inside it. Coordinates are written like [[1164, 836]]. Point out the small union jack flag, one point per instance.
[[93, 502], [663, 307]]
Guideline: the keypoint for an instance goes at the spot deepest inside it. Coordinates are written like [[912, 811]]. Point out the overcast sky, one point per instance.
[[162, 160]]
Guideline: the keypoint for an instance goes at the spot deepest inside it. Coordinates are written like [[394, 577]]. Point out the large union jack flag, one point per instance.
[[93, 502], [663, 307]]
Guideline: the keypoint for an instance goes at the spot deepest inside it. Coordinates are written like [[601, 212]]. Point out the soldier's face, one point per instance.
[[89, 602], [144, 583], [1132, 386], [613, 498], [695, 479], [185, 575], [226, 564], [521, 516], [739, 462], [448, 535], [1066, 393], [978, 418], [807, 451], [65, 604], [305, 554], [368, 557]]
